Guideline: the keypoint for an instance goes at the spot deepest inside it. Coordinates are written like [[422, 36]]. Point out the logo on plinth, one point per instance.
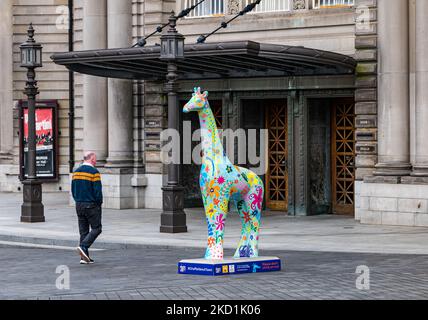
[[229, 266]]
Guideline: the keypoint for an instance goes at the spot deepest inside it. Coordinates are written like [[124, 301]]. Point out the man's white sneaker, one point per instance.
[[84, 253], [85, 262]]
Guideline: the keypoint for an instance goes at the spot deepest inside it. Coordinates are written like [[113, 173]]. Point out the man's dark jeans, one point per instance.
[[89, 215]]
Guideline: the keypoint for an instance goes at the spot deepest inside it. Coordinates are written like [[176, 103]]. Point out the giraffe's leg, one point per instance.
[[209, 212], [216, 219], [244, 214], [253, 238], [250, 217]]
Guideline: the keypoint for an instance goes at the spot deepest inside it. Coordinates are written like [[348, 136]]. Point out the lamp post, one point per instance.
[[173, 218], [32, 209]]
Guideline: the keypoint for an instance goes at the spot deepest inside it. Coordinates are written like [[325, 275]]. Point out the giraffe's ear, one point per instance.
[[205, 94]]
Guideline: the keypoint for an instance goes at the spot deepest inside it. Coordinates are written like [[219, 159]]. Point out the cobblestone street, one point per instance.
[[29, 273]]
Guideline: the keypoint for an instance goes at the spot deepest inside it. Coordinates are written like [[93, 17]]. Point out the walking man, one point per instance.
[[87, 193]]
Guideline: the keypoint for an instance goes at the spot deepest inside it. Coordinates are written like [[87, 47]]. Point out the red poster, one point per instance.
[[44, 129], [45, 142]]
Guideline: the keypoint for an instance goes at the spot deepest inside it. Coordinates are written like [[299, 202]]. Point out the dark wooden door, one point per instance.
[[343, 157], [277, 174]]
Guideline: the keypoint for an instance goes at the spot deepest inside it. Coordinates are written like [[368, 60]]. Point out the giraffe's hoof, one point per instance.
[[214, 253], [245, 251]]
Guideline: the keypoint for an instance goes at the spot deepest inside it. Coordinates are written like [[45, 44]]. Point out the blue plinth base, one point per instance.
[[205, 267]]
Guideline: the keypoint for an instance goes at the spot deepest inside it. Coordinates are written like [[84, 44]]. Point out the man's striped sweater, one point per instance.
[[86, 185]]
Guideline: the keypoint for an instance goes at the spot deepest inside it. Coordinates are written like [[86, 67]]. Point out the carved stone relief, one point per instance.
[[233, 6], [299, 5]]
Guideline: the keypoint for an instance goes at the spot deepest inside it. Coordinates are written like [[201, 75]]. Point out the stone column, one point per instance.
[[420, 167], [6, 80], [120, 106], [394, 132], [95, 88]]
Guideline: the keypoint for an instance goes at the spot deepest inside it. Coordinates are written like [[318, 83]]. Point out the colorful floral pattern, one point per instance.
[[222, 183]]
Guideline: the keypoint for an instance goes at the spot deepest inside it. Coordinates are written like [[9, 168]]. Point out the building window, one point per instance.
[[320, 4], [206, 8], [270, 5], [210, 8]]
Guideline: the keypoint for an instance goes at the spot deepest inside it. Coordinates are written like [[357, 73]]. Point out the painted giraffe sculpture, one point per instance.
[[221, 182]]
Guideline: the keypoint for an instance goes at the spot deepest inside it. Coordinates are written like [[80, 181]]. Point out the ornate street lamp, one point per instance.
[[32, 209], [173, 218], [172, 43]]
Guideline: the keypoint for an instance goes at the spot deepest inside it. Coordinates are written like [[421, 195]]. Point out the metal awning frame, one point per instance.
[[236, 59]]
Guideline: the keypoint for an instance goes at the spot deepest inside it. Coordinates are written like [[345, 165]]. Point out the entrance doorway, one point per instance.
[[270, 114], [277, 155], [343, 156], [331, 156]]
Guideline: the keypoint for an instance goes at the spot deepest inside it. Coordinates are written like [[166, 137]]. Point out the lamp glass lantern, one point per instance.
[[172, 47], [31, 54]]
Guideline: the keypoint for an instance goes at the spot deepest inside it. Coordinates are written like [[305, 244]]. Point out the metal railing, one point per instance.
[[271, 5], [319, 4], [218, 7], [208, 8]]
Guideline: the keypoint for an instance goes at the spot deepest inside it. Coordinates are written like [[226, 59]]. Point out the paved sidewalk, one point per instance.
[[151, 274], [140, 228]]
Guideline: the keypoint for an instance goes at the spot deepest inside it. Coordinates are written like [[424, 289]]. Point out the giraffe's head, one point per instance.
[[198, 101]]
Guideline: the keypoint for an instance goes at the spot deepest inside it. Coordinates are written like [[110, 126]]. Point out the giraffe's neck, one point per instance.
[[211, 144]]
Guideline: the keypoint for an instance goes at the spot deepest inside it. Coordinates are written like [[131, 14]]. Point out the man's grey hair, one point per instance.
[[88, 155]]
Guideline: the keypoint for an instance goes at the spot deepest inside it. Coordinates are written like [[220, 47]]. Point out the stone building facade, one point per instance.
[[349, 144], [395, 192], [15, 16]]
